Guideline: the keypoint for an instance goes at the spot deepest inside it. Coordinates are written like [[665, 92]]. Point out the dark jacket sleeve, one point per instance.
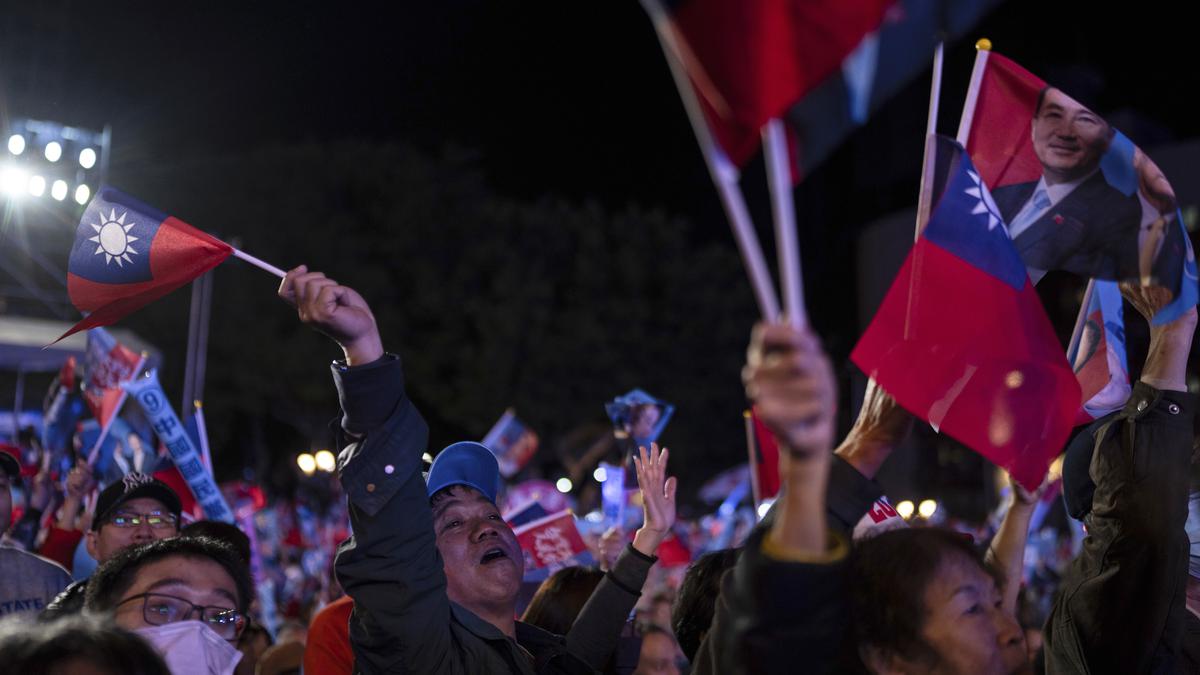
[[771, 615], [597, 629], [1120, 608], [848, 497], [390, 565]]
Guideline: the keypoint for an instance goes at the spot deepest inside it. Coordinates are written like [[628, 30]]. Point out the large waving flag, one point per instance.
[[1097, 352], [961, 339], [1077, 195], [127, 254], [822, 65]]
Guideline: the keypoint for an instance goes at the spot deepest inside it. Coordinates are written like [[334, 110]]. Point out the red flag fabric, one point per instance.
[[106, 365], [961, 339], [750, 60], [766, 460], [127, 254], [1007, 97], [551, 543]]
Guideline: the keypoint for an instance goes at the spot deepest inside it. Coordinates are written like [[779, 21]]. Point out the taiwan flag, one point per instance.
[[127, 254], [106, 365], [961, 339], [1097, 352]]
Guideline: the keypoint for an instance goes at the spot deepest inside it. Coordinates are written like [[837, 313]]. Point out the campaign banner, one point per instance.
[[149, 395], [512, 442], [550, 544]]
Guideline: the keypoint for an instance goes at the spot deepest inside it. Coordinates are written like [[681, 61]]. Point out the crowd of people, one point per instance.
[[428, 577]]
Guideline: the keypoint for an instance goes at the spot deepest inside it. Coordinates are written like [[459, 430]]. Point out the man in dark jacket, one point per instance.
[[434, 574], [1121, 605]]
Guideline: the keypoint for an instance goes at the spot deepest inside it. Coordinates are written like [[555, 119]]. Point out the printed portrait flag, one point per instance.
[[512, 442], [1075, 193], [127, 254], [961, 339]]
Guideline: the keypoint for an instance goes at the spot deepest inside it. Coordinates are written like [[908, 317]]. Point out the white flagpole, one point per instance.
[[202, 434], [783, 208], [91, 460], [238, 253], [982, 49], [925, 196], [724, 174]]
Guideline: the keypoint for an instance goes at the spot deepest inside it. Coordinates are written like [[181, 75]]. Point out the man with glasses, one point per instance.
[[188, 596], [137, 509], [29, 582]]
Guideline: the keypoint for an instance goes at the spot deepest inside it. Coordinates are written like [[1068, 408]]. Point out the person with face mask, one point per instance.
[[432, 567], [187, 596]]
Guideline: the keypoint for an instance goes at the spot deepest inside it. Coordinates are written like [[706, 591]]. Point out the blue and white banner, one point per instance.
[[149, 395]]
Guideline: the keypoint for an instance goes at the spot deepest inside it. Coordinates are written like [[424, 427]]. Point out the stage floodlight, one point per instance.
[[82, 194], [59, 190], [37, 186], [87, 158], [16, 144], [13, 181], [53, 151]]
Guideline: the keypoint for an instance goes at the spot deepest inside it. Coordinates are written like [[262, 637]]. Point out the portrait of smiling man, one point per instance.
[[1071, 218]]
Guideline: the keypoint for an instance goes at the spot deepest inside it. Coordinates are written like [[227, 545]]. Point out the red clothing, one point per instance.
[[327, 651], [60, 546]]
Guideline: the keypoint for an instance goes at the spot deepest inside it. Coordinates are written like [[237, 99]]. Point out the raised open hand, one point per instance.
[[658, 498]]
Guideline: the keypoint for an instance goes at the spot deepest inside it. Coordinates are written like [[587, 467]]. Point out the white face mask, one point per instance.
[[192, 648]]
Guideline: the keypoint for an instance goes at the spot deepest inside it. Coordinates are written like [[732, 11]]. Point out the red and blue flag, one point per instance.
[[128, 254], [962, 340]]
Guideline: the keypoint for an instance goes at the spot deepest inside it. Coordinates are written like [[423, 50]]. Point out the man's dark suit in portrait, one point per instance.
[[1071, 218]]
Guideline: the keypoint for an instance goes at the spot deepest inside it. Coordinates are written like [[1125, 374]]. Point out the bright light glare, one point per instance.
[[13, 181], [16, 144], [53, 151], [600, 474], [82, 193], [87, 158], [564, 485], [927, 508], [325, 460], [37, 186], [764, 507], [905, 509], [59, 190], [307, 463]]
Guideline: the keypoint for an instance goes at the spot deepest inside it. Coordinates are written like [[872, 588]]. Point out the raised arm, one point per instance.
[[786, 595], [1120, 607], [391, 566]]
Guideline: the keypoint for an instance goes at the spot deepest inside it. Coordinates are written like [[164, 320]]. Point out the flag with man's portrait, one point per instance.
[[1076, 194]]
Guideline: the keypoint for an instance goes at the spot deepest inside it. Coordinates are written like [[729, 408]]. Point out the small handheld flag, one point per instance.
[[128, 254]]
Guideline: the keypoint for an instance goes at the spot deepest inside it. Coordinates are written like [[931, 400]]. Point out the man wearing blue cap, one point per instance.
[[433, 568]]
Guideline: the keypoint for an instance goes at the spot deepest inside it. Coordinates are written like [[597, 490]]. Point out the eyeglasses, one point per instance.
[[157, 521], [159, 609]]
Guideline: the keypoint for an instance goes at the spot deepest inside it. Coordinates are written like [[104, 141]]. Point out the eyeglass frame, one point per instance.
[[240, 622], [170, 518]]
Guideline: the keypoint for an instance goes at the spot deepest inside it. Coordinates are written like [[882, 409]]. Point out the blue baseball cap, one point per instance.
[[465, 463]]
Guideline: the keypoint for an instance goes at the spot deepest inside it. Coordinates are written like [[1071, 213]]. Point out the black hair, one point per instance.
[[227, 532], [561, 597], [114, 578], [33, 648], [696, 601], [889, 574]]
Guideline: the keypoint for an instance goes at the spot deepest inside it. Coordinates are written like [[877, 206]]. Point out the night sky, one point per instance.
[[572, 100]]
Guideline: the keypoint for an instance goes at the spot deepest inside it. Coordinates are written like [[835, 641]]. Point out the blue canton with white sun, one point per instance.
[[967, 223], [112, 244]]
